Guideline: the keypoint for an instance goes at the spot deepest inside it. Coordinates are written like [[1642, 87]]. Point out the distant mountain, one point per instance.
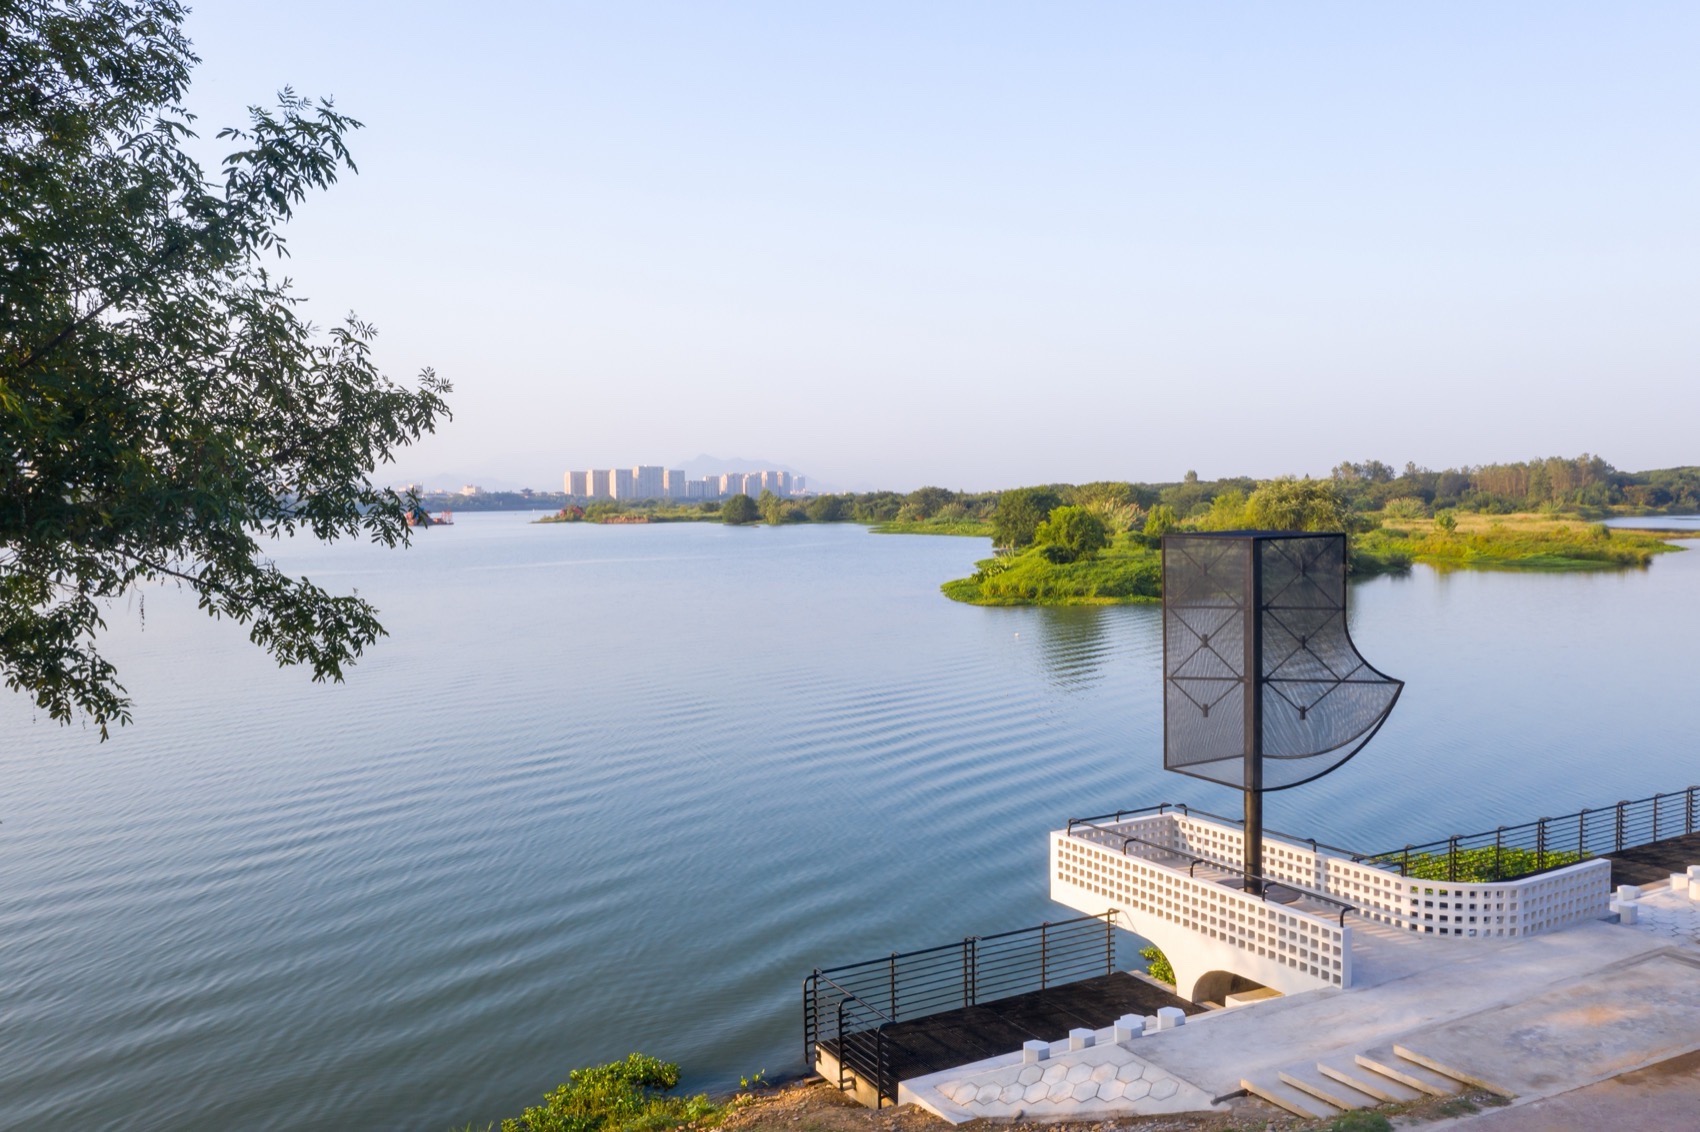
[[706, 465]]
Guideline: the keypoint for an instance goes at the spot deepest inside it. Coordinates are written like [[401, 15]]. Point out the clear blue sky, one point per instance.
[[981, 244]]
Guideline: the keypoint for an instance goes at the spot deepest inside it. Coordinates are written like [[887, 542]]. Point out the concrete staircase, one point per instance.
[[1324, 1089]]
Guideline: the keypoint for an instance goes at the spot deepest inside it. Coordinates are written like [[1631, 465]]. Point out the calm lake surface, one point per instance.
[[617, 788]]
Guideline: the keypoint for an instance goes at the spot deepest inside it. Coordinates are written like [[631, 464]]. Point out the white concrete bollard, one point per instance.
[[1080, 1038], [1629, 892], [1034, 1052], [1679, 882], [1129, 1027], [1694, 889], [1628, 912], [1168, 1017]]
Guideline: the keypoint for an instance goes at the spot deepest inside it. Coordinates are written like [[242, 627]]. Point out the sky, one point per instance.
[[980, 245]]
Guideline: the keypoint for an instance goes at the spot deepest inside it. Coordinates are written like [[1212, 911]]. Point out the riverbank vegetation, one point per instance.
[[633, 1095], [1391, 522]]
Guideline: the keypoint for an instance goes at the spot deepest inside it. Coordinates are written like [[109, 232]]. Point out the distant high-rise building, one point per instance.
[[799, 484], [598, 484], [673, 485], [623, 483], [648, 481], [693, 489], [577, 484]]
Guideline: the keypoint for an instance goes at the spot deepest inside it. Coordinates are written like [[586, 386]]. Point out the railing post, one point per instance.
[[1405, 864], [810, 1005], [1541, 844], [1688, 812], [1452, 859], [1109, 943], [843, 1049], [1498, 840], [1044, 954], [1618, 847], [1656, 798], [892, 988]]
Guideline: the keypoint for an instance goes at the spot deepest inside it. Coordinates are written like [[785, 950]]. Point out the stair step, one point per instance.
[[1383, 1089], [1307, 1079], [1389, 1064], [1462, 1075], [1282, 1095]]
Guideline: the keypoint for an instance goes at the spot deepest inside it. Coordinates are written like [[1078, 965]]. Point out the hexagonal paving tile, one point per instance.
[[1061, 1091], [1078, 1073], [1131, 1071], [960, 1093], [1009, 1094], [1086, 1091], [1029, 1074], [1104, 1072], [1164, 1089], [1136, 1090], [1110, 1091], [988, 1093], [1036, 1092], [1055, 1073]]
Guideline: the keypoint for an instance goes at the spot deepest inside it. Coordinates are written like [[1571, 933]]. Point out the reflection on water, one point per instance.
[[1073, 645]]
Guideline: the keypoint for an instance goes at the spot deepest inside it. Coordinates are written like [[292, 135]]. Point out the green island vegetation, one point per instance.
[[633, 1095], [1098, 544]]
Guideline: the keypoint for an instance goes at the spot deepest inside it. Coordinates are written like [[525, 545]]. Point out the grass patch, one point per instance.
[[1126, 572], [973, 528], [1515, 542]]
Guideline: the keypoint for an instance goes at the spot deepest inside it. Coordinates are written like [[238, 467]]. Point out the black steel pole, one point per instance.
[[1253, 719]]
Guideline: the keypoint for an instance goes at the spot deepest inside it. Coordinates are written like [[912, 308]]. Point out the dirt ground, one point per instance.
[[815, 1106]]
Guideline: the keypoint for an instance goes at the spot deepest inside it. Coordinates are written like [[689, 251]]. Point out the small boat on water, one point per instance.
[[443, 519]]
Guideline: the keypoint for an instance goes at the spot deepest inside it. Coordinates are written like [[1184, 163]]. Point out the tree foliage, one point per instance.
[[1071, 533], [738, 510], [163, 402], [1019, 514]]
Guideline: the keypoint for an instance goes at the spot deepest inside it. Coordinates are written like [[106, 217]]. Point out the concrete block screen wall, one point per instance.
[[1200, 925]]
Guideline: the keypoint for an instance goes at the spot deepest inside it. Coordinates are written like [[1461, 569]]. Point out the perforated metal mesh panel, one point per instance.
[[1274, 604]]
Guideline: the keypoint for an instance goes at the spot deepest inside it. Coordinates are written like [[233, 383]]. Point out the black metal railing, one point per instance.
[[1513, 851], [848, 1009]]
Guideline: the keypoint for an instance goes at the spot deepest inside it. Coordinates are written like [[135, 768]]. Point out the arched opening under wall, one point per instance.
[[1214, 987]]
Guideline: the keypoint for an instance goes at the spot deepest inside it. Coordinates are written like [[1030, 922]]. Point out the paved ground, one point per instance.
[[1415, 983], [1660, 1098]]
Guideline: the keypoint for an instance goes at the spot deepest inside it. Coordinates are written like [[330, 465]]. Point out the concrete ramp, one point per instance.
[[1622, 1017]]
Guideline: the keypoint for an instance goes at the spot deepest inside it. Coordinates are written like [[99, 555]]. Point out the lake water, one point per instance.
[[617, 788]]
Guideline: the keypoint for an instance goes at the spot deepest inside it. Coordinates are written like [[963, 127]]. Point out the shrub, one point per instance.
[[1158, 965], [622, 1096], [1069, 533]]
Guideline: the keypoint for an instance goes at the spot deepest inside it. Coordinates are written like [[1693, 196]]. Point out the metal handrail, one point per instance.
[[1629, 826], [908, 985]]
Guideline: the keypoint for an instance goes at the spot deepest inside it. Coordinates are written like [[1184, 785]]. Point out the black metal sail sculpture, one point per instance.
[[1262, 687]]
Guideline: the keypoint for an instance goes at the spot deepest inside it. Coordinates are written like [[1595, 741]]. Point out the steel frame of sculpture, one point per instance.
[[1247, 614]]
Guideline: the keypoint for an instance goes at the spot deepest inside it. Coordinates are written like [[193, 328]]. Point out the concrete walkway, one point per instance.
[[1530, 1017]]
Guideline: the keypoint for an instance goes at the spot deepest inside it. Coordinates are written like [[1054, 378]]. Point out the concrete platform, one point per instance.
[[1626, 1016], [1663, 1097]]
